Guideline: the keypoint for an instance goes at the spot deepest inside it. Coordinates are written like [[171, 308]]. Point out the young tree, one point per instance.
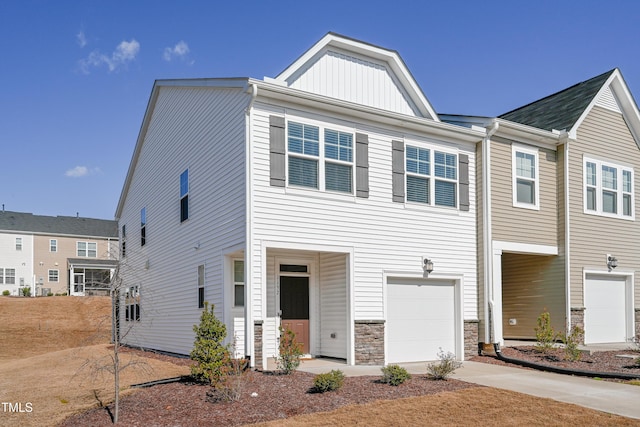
[[211, 355]]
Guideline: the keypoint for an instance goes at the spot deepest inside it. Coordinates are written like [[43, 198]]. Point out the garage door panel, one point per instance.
[[420, 319], [605, 309]]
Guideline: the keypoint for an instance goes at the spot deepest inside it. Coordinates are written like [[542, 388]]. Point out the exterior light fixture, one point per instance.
[[612, 262], [427, 265]]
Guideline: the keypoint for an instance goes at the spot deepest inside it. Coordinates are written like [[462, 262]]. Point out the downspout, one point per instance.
[[489, 336], [248, 262], [565, 136]]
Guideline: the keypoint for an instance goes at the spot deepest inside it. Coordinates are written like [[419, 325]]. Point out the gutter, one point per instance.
[[248, 264], [487, 233]]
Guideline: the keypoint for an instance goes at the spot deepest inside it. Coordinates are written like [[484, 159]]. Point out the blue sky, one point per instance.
[[77, 75]]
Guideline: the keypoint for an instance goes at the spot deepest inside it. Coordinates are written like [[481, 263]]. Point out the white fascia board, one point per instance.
[[238, 83], [367, 50], [524, 248], [527, 134], [336, 106]]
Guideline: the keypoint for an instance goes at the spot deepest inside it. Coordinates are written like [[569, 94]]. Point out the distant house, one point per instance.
[[330, 199], [557, 202], [56, 254]]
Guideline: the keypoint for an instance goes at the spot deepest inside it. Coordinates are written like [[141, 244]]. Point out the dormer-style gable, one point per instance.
[[567, 109], [354, 71]]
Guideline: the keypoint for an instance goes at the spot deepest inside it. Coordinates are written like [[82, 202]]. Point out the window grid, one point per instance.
[[525, 177], [184, 195], [238, 283], [422, 182], [87, 249], [10, 276], [608, 189], [54, 275], [200, 286], [132, 304], [18, 243], [53, 245]]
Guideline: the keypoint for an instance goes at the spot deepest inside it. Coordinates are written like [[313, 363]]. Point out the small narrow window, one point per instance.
[[53, 245], [184, 195], [303, 142], [525, 177], [338, 152], [418, 172], [143, 226], [81, 249], [123, 241], [92, 249], [591, 186], [238, 283], [18, 243], [446, 178], [609, 189], [54, 275], [1, 276], [200, 286], [626, 193]]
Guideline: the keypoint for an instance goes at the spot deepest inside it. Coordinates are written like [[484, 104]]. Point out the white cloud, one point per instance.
[[124, 53], [81, 39], [80, 171], [180, 50]]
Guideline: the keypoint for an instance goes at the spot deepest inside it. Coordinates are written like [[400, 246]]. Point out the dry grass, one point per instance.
[[473, 406], [45, 358]]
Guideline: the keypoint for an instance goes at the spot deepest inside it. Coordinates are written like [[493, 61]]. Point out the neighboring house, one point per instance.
[[557, 204], [315, 200], [56, 254]]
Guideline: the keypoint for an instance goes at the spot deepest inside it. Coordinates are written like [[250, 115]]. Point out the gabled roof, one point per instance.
[[378, 71], [57, 225], [567, 109], [561, 110]]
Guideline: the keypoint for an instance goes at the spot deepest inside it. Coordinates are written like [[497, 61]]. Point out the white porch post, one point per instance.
[[496, 291]]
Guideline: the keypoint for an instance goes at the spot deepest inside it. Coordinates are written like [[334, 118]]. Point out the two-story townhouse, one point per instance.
[[557, 214], [47, 254], [330, 199]]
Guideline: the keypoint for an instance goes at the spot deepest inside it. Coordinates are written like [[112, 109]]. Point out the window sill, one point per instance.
[[612, 216], [315, 193], [527, 206]]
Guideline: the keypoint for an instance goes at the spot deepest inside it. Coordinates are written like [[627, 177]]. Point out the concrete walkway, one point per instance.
[[614, 398]]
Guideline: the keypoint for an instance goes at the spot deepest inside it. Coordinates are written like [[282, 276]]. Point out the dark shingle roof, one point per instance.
[[562, 109], [63, 225]]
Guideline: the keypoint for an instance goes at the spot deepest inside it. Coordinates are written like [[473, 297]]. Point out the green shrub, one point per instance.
[[571, 342], [210, 355], [446, 365], [6, 293], [394, 375], [545, 335], [290, 351], [49, 294], [26, 292], [329, 381]]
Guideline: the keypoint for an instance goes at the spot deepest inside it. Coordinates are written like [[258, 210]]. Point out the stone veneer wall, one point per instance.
[[369, 342], [577, 319], [471, 338], [257, 344]]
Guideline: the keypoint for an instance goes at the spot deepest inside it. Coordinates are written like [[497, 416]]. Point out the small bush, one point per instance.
[[26, 292], [330, 381], [211, 356], [394, 375], [445, 367], [49, 294], [6, 293], [571, 342], [545, 335], [290, 351]]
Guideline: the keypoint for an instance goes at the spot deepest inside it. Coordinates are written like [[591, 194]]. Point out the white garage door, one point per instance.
[[605, 308], [420, 319]]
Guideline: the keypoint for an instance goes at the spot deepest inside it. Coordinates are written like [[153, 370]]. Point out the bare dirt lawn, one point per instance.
[[45, 344]]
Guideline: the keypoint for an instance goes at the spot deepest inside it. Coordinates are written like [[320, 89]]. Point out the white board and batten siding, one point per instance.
[[383, 235], [203, 130], [333, 289], [344, 76]]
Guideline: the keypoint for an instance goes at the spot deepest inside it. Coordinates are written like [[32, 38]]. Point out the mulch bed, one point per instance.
[[278, 397], [601, 361]]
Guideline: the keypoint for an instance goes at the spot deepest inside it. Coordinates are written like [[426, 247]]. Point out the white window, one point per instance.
[[18, 243], [525, 175], [54, 275], [132, 303], [608, 189], [424, 181], [320, 158], [53, 245], [200, 286], [184, 195], [143, 226], [87, 249], [238, 283], [10, 276]]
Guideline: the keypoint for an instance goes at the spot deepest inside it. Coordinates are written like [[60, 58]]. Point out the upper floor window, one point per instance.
[[123, 241], [18, 243], [320, 158], [184, 195], [143, 226], [87, 249], [525, 179], [53, 245], [200, 286], [608, 189], [432, 176]]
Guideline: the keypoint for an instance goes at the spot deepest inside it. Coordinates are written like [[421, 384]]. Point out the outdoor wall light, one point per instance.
[[612, 262], [427, 265]]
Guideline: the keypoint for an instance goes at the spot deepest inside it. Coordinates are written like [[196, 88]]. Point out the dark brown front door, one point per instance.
[[294, 305]]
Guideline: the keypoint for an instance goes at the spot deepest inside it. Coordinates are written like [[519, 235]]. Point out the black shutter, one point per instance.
[[463, 168], [397, 159], [277, 151], [362, 165]]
